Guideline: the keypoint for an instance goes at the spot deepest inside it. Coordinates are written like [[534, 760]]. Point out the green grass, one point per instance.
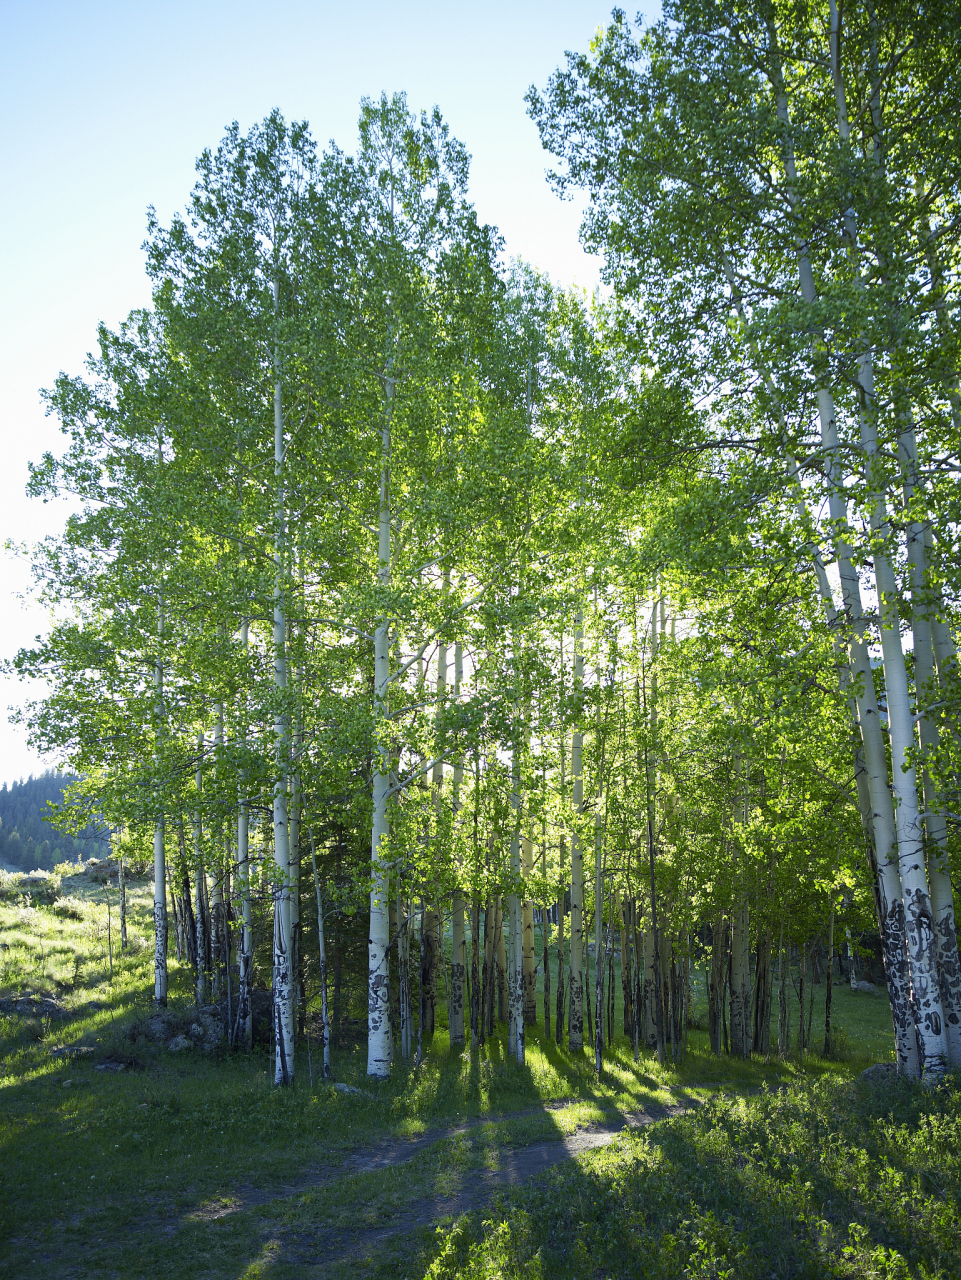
[[140, 1172], [827, 1180]]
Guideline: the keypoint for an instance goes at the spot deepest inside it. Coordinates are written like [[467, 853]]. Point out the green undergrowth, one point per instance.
[[93, 1161], [828, 1179]]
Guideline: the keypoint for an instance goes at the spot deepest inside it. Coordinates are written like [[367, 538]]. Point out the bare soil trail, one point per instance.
[[318, 1251]]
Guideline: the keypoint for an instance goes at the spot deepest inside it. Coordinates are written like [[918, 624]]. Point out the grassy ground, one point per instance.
[[194, 1166]]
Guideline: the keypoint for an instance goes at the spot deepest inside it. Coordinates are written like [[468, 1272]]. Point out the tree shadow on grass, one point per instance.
[[816, 1183]]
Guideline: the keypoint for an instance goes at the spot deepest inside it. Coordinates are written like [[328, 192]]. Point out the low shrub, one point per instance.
[[70, 908]]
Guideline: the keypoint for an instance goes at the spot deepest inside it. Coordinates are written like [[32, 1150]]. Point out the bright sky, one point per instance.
[[106, 107]]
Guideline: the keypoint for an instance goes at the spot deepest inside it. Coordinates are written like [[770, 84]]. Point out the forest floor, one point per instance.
[[119, 1159]]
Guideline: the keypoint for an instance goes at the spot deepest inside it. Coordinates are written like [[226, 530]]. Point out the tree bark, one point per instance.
[[322, 958], [378, 981], [575, 1018], [761, 1039], [458, 966], [740, 982]]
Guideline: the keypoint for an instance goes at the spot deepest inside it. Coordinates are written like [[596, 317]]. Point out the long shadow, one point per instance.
[[716, 1195]]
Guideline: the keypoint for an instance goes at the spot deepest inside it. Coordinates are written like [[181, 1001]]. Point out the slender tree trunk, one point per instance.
[[122, 887], [218, 930], [501, 966], [715, 1006], [740, 982], [829, 988], [561, 959], [638, 992], [282, 977], [420, 993], [600, 961], [405, 998], [529, 958], [475, 984], [576, 984], [650, 990], [784, 997], [433, 941], [515, 981], [490, 976], [458, 966], [546, 938], [761, 1040], [621, 907], [159, 870], [588, 1002], [562, 867], [218, 916], [245, 1017], [298, 992], [378, 983], [429, 937], [611, 995], [202, 985], [322, 958]]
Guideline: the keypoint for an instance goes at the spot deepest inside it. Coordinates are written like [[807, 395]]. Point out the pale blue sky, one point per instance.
[[105, 107]]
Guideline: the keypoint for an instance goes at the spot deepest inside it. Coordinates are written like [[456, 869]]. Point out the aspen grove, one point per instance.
[[446, 634]]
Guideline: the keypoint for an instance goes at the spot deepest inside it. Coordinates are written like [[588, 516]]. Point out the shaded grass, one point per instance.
[[93, 1164]]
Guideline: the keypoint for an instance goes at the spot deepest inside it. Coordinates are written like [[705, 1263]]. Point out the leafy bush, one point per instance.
[[70, 908], [827, 1182]]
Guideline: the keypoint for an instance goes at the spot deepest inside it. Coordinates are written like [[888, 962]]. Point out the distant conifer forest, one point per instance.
[[28, 842]]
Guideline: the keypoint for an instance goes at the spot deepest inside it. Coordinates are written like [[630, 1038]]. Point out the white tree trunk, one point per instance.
[[294, 818], [515, 963], [576, 981], [245, 1021], [219, 959], [600, 960], [925, 604], [201, 986], [890, 905], [458, 968], [282, 985], [378, 977], [159, 853], [528, 959]]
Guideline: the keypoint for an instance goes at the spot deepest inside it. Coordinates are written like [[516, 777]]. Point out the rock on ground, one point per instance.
[[882, 1073]]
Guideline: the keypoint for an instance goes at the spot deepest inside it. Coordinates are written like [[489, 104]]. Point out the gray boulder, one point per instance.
[[882, 1073]]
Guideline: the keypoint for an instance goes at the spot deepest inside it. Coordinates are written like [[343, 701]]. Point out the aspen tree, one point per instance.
[[575, 1016], [458, 966], [752, 56], [159, 851]]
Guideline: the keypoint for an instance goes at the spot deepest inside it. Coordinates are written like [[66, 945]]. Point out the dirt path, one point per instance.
[[318, 1250], [518, 1163]]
